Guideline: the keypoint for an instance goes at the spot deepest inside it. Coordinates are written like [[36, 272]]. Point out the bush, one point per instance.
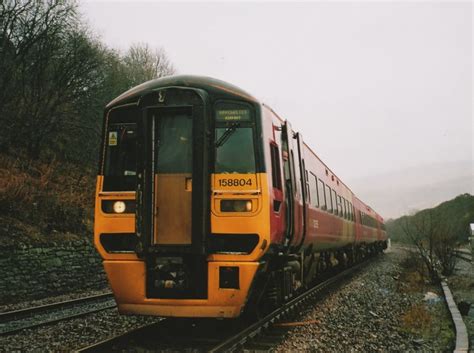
[[52, 196], [417, 319]]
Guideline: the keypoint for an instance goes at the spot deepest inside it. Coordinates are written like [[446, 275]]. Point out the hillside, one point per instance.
[[44, 202], [407, 190], [458, 213]]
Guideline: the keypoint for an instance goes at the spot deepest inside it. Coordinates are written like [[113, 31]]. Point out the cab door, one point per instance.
[[169, 190], [172, 144], [293, 191]]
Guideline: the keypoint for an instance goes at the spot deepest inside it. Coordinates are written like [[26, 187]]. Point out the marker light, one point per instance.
[[236, 206], [119, 207]]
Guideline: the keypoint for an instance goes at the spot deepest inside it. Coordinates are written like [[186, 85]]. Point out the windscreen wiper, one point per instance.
[[225, 136]]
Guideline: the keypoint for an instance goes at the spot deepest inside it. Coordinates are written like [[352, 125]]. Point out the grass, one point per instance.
[[429, 321], [417, 319]]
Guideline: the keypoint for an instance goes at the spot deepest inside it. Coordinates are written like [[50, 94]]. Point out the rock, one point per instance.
[[418, 342], [464, 307], [431, 297]]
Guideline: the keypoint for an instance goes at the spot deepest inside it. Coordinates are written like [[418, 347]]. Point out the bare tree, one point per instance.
[[49, 65], [434, 241], [144, 64], [55, 78]]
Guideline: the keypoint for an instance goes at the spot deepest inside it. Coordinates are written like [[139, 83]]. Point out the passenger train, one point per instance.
[[208, 204]]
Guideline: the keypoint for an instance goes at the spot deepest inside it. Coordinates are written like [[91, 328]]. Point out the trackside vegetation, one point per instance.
[[56, 76], [436, 233]]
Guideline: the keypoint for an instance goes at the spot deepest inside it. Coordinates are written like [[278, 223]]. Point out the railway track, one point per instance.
[[178, 335], [17, 320]]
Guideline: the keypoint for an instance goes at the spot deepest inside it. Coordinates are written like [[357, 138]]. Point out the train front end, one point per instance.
[[182, 216]]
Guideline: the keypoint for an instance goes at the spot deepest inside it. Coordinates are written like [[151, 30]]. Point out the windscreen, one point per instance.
[[236, 154], [234, 139], [120, 164]]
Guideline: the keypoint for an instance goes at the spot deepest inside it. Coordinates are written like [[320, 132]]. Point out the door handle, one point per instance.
[[188, 184]]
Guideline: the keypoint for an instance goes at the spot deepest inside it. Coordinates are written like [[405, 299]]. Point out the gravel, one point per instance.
[[72, 334], [365, 314]]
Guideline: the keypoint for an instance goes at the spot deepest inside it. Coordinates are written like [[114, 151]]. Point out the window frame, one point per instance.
[[322, 195], [276, 166], [327, 190]]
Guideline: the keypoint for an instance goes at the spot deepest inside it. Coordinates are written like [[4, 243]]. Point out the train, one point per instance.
[[210, 205]]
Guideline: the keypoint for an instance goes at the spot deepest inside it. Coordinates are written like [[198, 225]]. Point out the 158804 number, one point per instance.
[[235, 182]]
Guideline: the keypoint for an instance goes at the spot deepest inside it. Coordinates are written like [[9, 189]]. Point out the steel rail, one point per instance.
[[232, 341], [14, 318], [244, 336]]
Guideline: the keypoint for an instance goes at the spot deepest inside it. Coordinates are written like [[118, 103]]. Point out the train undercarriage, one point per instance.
[[283, 277]]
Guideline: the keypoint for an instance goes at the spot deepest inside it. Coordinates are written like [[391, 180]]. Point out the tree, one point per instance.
[[45, 59], [434, 240], [144, 64], [55, 79]]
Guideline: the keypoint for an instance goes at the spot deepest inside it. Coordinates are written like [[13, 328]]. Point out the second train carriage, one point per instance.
[[207, 202]]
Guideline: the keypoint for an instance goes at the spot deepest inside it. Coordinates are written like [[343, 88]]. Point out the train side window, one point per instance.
[[308, 193], [339, 206], [321, 195], [334, 201], [351, 210], [344, 205], [327, 191], [313, 190], [276, 171], [305, 180]]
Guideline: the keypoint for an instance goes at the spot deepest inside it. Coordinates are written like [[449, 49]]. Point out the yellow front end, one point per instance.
[[127, 273]]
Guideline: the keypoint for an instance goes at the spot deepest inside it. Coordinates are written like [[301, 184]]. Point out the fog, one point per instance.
[[376, 88]]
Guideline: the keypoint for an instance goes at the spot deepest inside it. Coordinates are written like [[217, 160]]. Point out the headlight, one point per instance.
[[119, 207], [236, 206]]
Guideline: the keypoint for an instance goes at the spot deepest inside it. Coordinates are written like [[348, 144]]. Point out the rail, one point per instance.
[[241, 338], [17, 320]]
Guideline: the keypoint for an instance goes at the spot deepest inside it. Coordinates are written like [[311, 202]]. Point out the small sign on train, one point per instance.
[[113, 138]]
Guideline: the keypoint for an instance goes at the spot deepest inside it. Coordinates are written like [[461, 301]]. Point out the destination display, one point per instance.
[[233, 115]]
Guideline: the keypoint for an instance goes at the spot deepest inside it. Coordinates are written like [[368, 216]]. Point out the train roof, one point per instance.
[[207, 83], [367, 207]]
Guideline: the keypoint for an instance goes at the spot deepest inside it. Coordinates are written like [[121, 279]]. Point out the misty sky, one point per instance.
[[374, 87]]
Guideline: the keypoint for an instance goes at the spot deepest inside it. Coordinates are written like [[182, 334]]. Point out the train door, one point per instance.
[[172, 145], [304, 191], [291, 171], [170, 202]]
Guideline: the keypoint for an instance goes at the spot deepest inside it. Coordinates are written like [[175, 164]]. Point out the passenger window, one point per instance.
[[339, 206], [276, 171], [334, 201], [314, 190], [327, 191], [321, 196], [306, 184], [351, 210]]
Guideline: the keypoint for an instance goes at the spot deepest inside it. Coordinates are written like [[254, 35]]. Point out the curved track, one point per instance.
[[17, 320]]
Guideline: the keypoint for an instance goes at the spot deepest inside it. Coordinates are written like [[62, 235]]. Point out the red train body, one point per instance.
[[209, 204]]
